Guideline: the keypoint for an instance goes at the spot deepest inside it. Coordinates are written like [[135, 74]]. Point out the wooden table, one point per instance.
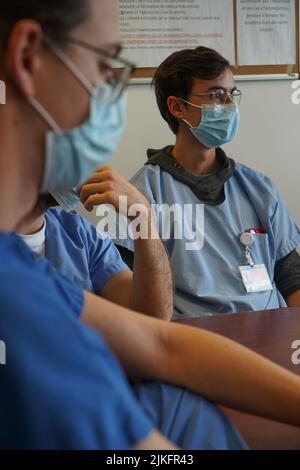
[[270, 333]]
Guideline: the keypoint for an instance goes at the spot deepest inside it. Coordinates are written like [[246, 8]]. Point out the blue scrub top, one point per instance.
[[61, 387], [90, 259], [83, 254], [208, 280]]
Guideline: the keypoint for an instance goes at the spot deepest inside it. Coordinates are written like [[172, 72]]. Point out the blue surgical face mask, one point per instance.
[[72, 156], [219, 124]]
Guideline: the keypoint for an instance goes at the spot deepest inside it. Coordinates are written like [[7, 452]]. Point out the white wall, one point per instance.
[[269, 137]]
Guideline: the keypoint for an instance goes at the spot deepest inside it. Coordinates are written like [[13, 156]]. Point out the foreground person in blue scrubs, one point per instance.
[[85, 256], [247, 259], [64, 385]]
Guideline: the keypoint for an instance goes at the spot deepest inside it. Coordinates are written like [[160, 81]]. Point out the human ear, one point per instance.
[[176, 107], [21, 59]]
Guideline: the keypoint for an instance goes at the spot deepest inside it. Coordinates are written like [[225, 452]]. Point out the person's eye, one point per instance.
[[212, 96], [220, 96], [219, 93]]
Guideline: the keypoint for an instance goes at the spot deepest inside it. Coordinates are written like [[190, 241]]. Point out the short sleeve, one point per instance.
[[105, 261], [286, 232]]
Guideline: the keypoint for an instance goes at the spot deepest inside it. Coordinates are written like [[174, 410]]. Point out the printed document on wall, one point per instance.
[[152, 30], [266, 32]]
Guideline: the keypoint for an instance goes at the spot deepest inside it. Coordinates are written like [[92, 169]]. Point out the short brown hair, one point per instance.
[[175, 76], [57, 17]]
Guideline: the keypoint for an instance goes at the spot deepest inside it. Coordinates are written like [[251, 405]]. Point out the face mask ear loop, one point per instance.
[[44, 114], [73, 69], [70, 65], [187, 123], [195, 106], [199, 106]]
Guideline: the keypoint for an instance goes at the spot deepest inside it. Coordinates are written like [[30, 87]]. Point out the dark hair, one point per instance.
[[175, 76], [57, 17]]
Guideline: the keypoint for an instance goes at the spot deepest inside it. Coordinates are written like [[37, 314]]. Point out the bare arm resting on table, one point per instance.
[[215, 367]]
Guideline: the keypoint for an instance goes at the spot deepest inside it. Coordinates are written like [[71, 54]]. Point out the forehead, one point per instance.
[[101, 28], [225, 80]]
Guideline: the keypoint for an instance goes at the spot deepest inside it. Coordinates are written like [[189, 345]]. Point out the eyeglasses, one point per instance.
[[116, 69], [221, 97]]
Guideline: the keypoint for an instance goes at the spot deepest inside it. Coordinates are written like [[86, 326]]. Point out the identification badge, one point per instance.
[[256, 278]]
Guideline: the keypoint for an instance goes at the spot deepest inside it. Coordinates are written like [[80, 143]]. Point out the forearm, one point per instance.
[[208, 364], [230, 374], [152, 290], [152, 283]]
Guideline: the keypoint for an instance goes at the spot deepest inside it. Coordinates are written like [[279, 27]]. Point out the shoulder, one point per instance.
[[73, 224], [153, 181], [14, 254], [147, 172], [262, 193], [255, 178], [61, 217], [35, 281]]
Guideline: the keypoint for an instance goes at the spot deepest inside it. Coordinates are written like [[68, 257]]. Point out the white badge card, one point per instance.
[[256, 278]]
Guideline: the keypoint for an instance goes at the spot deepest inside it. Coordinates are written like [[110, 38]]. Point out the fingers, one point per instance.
[[96, 194], [94, 200], [93, 189], [105, 174], [104, 187], [109, 198]]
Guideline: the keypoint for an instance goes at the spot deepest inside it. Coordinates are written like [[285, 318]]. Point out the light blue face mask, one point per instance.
[[219, 124], [72, 156]]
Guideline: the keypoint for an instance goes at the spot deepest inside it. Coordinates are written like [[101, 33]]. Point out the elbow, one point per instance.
[[167, 314], [160, 314], [154, 310]]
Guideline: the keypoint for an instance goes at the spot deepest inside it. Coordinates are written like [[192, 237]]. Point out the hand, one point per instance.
[[105, 187]]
